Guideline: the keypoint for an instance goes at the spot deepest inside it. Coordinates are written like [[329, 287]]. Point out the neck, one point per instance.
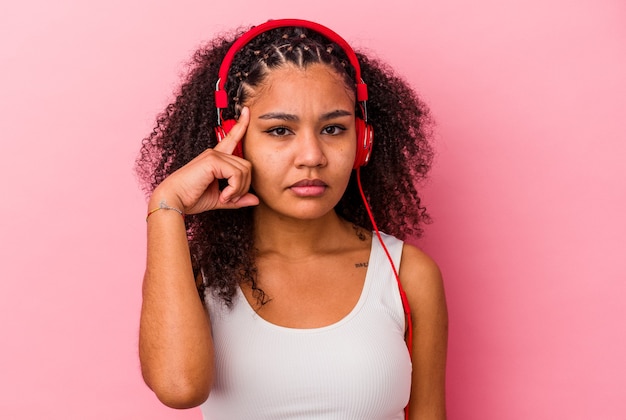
[[299, 238]]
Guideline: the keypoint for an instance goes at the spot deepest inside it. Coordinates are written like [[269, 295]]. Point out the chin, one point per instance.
[[308, 210]]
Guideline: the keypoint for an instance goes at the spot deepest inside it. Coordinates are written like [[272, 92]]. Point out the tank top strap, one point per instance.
[[394, 246]]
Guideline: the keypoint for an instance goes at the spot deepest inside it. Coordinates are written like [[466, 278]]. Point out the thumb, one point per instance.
[[236, 134], [246, 200]]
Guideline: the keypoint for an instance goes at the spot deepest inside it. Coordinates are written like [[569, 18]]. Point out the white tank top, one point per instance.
[[357, 368]]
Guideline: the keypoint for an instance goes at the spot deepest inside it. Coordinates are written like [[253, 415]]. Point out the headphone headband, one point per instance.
[[221, 98]]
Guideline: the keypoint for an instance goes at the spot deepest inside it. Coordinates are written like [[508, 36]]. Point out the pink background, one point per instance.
[[528, 192]]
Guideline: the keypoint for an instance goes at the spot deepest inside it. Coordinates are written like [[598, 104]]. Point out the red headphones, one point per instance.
[[364, 131]]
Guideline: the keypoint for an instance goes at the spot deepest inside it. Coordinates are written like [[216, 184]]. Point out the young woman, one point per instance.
[[253, 175]]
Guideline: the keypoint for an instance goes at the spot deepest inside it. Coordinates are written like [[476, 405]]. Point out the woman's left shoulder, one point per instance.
[[419, 273]]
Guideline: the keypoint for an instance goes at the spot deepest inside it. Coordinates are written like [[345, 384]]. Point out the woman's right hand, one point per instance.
[[194, 187]]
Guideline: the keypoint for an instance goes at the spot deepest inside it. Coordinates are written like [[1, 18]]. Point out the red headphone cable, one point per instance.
[[405, 302]]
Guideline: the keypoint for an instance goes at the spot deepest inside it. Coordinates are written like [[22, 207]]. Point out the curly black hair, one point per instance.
[[221, 241]]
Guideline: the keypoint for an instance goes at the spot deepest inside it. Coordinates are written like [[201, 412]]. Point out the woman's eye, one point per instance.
[[333, 130], [278, 131]]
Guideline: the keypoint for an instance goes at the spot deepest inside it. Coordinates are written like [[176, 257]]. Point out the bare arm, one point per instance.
[[423, 285], [175, 345]]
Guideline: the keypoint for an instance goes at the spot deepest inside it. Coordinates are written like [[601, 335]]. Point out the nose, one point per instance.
[[309, 150]]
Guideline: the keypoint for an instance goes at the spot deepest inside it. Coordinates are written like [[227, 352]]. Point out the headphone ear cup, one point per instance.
[[364, 142], [221, 131]]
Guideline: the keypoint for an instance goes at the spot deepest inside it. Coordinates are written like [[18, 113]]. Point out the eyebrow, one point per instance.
[[291, 117]]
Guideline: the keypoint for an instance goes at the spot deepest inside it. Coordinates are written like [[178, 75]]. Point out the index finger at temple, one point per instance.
[[236, 134]]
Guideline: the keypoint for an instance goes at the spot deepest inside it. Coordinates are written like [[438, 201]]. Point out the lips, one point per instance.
[[309, 188], [309, 183]]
